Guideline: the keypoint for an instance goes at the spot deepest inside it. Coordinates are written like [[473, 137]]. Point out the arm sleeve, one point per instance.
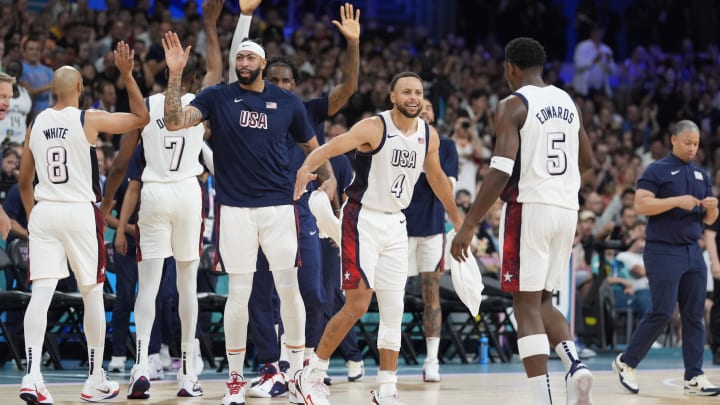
[[242, 30]]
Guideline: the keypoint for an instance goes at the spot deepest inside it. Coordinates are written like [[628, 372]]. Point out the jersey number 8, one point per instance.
[[57, 165]]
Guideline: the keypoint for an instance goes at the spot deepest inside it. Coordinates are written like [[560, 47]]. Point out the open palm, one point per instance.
[[175, 57], [248, 6], [349, 24]]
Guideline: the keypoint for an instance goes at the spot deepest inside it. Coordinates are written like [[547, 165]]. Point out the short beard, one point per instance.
[[407, 113], [250, 79]]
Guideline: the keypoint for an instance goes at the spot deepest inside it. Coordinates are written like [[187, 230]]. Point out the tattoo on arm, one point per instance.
[[173, 105], [192, 118]]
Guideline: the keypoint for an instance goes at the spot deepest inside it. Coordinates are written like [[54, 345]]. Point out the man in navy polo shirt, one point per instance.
[[676, 196]]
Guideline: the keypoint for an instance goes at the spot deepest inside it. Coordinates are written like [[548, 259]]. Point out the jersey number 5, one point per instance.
[[57, 165], [176, 144], [556, 156]]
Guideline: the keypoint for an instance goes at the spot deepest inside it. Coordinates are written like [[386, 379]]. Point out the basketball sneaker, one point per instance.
[[234, 390], [356, 370], [188, 386], [33, 391], [155, 367], [139, 383], [310, 387], [117, 364], [386, 400], [431, 371], [699, 385], [578, 384], [626, 375], [293, 396], [271, 384], [98, 388]]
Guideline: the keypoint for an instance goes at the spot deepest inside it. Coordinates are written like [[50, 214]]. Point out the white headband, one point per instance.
[[252, 47]]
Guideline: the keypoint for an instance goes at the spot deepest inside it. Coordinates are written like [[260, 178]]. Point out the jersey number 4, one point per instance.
[[398, 185], [556, 155], [177, 145]]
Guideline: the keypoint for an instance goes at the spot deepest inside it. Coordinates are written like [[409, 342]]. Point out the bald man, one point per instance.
[[65, 225]]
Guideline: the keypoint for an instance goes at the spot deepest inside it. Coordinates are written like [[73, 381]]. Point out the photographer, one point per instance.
[[470, 152]]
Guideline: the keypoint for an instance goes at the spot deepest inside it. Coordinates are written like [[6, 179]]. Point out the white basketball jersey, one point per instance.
[[549, 148], [65, 163], [385, 178], [170, 156]]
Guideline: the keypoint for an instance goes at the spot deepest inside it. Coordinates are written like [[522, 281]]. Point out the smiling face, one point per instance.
[[407, 96]]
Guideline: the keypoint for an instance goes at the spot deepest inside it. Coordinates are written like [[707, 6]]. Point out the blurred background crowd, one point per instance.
[[634, 68]]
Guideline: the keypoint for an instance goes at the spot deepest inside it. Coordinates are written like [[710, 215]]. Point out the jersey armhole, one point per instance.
[[522, 97], [82, 118], [382, 140], [427, 138]]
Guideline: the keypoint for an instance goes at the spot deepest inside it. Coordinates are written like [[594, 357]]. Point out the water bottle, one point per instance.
[[483, 356]]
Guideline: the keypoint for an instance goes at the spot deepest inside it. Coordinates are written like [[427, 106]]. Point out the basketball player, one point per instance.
[[392, 150], [426, 237], [250, 120], [282, 72], [6, 93], [539, 126], [170, 224], [65, 226]]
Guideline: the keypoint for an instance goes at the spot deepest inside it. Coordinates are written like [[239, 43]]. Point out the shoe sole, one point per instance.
[[353, 378], [698, 393], [101, 397], [29, 398], [583, 388], [139, 389], [616, 369], [183, 393]]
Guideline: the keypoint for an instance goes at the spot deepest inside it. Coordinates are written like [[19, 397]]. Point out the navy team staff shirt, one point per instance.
[[671, 177], [250, 130]]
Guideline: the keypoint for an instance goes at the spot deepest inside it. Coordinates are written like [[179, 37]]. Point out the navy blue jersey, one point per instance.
[[671, 177], [136, 164], [317, 111], [253, 167], [14, 209], [343, 172], [426, 214]]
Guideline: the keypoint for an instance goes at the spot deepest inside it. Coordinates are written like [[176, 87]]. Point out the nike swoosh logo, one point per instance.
[[392, 136], [674, 172], [297, 351], [312, 233], [106, 390], [403, 221], [237, 100]]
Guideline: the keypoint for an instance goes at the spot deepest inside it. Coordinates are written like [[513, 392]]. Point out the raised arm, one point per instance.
[[349, 27], [242, 30], [364, 135], [212, 10], [438, 180], [177, 116], [97, 121]]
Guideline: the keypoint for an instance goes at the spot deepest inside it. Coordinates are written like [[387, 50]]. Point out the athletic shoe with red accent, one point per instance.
[[139, 387], [99, 388], [33, 391], [235, 390], [310, 386]]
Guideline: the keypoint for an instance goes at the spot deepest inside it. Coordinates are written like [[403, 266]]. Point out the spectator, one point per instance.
[[594, 64], [36, 77], [15, 123]]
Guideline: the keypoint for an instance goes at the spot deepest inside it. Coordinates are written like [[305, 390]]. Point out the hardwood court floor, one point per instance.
[[461, 384]]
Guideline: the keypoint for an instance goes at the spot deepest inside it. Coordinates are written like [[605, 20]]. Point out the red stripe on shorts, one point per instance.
[[351, 273], [510, 277]]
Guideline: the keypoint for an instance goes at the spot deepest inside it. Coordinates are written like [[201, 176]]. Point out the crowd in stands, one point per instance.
[[627, 105]]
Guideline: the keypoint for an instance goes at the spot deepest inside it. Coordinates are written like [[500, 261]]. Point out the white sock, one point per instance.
[[95, 359], [387, 383], [318, 363], [283, 346], [33, 355], [433, 345], [187, 353], [567, 352], [236, 361], [141, 350], [308, 353], [540, 387]]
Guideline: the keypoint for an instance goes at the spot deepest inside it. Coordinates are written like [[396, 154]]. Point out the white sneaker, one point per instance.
[[310, 386], [431, 371], [155, 367], [33, 391], [117, 364], [98, 388], [356, 370], [578, 385], [272, 384], [139, 387], [165, 357], [188, 386], [293, 396], [386, 400], [234, 390], [700, 385], [626, 375], [198, 362]]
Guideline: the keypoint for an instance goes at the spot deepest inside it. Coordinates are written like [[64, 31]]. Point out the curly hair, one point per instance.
[[525, 53]]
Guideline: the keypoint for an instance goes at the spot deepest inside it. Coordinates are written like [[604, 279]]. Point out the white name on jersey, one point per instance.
[[551, 111], [55, 133]]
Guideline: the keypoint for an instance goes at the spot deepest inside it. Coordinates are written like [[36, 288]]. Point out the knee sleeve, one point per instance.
[[236, 310], [390, 306], [94, 314], [292, 308], [533, 345]]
